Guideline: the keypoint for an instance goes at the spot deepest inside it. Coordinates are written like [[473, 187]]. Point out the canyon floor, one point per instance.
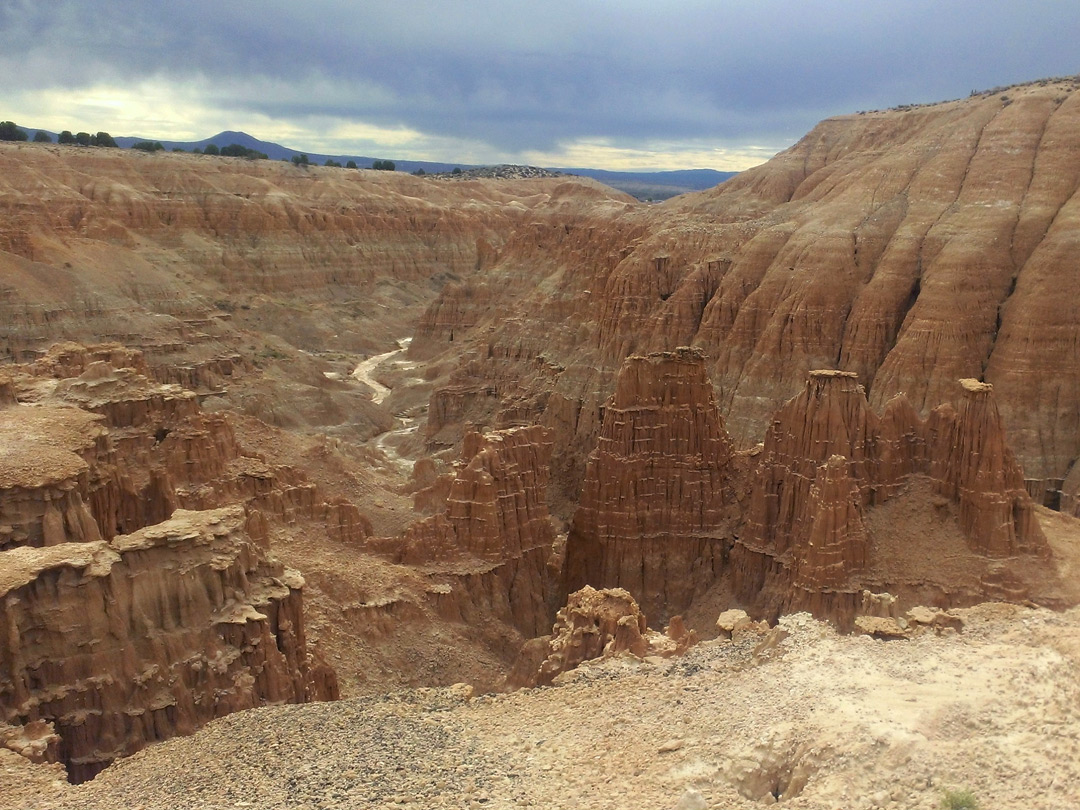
[[820, 720]]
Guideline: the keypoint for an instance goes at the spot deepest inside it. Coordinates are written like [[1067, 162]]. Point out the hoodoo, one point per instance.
[[657, 510], [496, 529], [812, 537], [972, 464]]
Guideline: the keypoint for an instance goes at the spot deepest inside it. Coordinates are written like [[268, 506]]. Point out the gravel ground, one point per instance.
[[816, 720]]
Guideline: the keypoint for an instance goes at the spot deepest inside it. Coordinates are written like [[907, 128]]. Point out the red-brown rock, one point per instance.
[[972, 464], [496, 525], [176, 624], [657, 511], [829, 462], [831, 543], [593, 623]]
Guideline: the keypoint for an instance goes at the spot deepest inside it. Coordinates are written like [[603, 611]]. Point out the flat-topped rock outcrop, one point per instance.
[[108, 451], [118, 644]]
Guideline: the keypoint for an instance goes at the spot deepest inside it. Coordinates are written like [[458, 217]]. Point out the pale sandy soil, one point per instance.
[[821, 720]]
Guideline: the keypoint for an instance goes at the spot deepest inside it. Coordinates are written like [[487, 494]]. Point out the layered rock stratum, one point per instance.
[[813, 539], [661, 513], [911, 247], [657, 513], [122, 643], [495, 535], [841, 383]]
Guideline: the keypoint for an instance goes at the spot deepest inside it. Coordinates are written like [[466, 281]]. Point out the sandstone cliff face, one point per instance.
[[830, 417], [248, 279], [829, 463], [118, 644], [972, 464], [495, 537], [665, 500], [911, 247], [831, 544], [657, 510], [115, 245], [109, 451], [45, 475], [197, 621]]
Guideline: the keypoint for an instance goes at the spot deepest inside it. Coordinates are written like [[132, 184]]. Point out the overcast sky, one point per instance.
[[617, 84]]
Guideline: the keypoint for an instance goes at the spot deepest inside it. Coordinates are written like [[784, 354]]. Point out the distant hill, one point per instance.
[[656, 185], [643, 185], [276, 151]]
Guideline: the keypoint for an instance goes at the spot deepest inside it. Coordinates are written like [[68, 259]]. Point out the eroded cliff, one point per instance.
[[121, 643], [838, 501], [912, 247], [657, 513], [815, 534], [492, 544], [909, 248]]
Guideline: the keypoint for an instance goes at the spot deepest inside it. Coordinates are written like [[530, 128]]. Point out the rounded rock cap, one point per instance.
[[832, 372], [974, 386]]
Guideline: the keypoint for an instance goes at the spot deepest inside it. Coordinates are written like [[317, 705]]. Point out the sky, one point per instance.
[[613, 84]]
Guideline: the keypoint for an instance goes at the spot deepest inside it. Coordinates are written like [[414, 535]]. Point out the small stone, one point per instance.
[[461, 691], [692, 800], [669, 746], [729, 619]]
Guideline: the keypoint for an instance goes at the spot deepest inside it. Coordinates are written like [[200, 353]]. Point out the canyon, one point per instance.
[[287, 435]]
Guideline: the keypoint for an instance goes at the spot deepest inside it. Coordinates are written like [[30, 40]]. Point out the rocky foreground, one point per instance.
[[797, 714]]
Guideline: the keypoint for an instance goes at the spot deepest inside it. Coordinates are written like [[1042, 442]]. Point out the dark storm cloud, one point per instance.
[[529, 75]]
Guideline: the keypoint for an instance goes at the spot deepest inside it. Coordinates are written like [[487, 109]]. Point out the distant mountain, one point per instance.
[[643, 185]]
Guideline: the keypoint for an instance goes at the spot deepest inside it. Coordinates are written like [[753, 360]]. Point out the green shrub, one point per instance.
[[10, 132], [237, 150], [148, 146], [959, 800], [41, 136]]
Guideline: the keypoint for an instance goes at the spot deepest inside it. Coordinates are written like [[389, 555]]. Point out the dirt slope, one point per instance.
[[820, 720]]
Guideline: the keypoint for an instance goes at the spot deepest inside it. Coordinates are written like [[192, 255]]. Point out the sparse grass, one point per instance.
[[959, 800]]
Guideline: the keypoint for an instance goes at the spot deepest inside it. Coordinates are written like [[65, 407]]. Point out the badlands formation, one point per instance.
[[333, 488]]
